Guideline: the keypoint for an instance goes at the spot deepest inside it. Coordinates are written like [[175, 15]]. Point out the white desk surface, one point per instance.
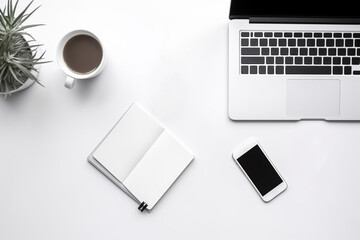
[[172, 58]]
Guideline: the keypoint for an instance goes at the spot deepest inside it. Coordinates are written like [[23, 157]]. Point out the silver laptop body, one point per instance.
[[293, 71]]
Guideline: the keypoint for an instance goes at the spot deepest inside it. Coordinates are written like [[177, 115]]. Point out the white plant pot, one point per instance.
[[28, 82]]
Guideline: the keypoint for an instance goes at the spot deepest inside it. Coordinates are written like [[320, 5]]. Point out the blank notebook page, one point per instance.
[[158, 169], [128, 142]]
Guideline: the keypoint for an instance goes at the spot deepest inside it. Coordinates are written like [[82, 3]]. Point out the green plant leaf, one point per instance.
[[1, 20], [23, 12], [25, 70], [24, 62], [30, 26], [24, 34], [18, 56], [33, 48], [7, 23], [2, 74], [27, 16], [14, 10], [6, 89], [9, 11], [14, 75], [42, 55]]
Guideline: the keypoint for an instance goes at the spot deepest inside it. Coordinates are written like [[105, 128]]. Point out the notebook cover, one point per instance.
[[158, 169], [127, 142], [141, 157]]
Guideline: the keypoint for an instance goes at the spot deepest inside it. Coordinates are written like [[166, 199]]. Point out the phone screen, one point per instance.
[[259, 170]]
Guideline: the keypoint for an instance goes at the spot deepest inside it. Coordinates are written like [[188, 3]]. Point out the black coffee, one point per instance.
[[82, 54]]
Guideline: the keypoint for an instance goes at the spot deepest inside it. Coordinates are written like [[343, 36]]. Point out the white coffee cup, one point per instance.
[[72, 75]]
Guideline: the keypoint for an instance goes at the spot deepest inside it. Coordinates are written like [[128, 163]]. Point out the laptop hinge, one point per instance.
[[304, 20]]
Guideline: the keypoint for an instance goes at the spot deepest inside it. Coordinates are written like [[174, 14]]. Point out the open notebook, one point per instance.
[[141, 157]]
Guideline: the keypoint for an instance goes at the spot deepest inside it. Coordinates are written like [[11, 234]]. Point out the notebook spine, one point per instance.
[[142, 206]]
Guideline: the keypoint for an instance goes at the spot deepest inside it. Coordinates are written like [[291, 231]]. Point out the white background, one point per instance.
[[171, 57]]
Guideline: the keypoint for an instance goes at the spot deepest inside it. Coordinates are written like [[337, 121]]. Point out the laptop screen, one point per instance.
[[297, 9]]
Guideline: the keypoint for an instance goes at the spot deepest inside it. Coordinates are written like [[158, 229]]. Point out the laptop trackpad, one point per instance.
[[313, 98]]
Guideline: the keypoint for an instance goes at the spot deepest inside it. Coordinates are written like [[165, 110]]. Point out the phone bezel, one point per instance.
[[245, 147]]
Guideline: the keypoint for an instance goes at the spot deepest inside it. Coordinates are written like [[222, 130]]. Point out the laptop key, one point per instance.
[[289, 60], [245, 34], [337, 35], [298, 60], [339, 42], [338, 70], [272, 42], [270, 60], [262, 70], [336, 61], [313, 51], [303, 51], [356, 35], [254, 42], [322, 51], [349, 43], [294, 51], [268, 34], [320, 42], [332, 51], [279, 70], [292, 42], [288, 34], [258, 34], [356, 72], [253, 69], [250, 51], [311, 42], [274, 51], [301, 43], [357, 43], [347, 35], [342, 51], [308, 60], [347, 70], [244, 42], [265, 51], [318, 35], [284, 51], [308, 70], [355, 61], [263, 42], [279, 60], [252, 60], [317, 60], [351, 52], [308, 35], [282, 42], [330, 42], [244, 70], [270, 69], [278, 34], [298, 35], [327, 35], [327, 60], [346, 61]]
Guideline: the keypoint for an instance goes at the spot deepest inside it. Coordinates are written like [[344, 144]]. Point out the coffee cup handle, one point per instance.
[[69, 82]]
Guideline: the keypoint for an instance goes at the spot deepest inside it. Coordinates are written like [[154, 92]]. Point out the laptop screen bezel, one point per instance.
[[290, 18]]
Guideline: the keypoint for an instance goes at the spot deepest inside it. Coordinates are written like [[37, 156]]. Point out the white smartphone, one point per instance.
[[260, 171]]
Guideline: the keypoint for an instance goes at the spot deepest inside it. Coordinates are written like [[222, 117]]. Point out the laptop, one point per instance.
[[294, 61]]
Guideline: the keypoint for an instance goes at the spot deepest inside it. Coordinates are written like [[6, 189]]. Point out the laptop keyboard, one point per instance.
[[300, 53]]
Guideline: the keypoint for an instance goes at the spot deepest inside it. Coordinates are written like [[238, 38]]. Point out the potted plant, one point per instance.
[[20, 55]]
